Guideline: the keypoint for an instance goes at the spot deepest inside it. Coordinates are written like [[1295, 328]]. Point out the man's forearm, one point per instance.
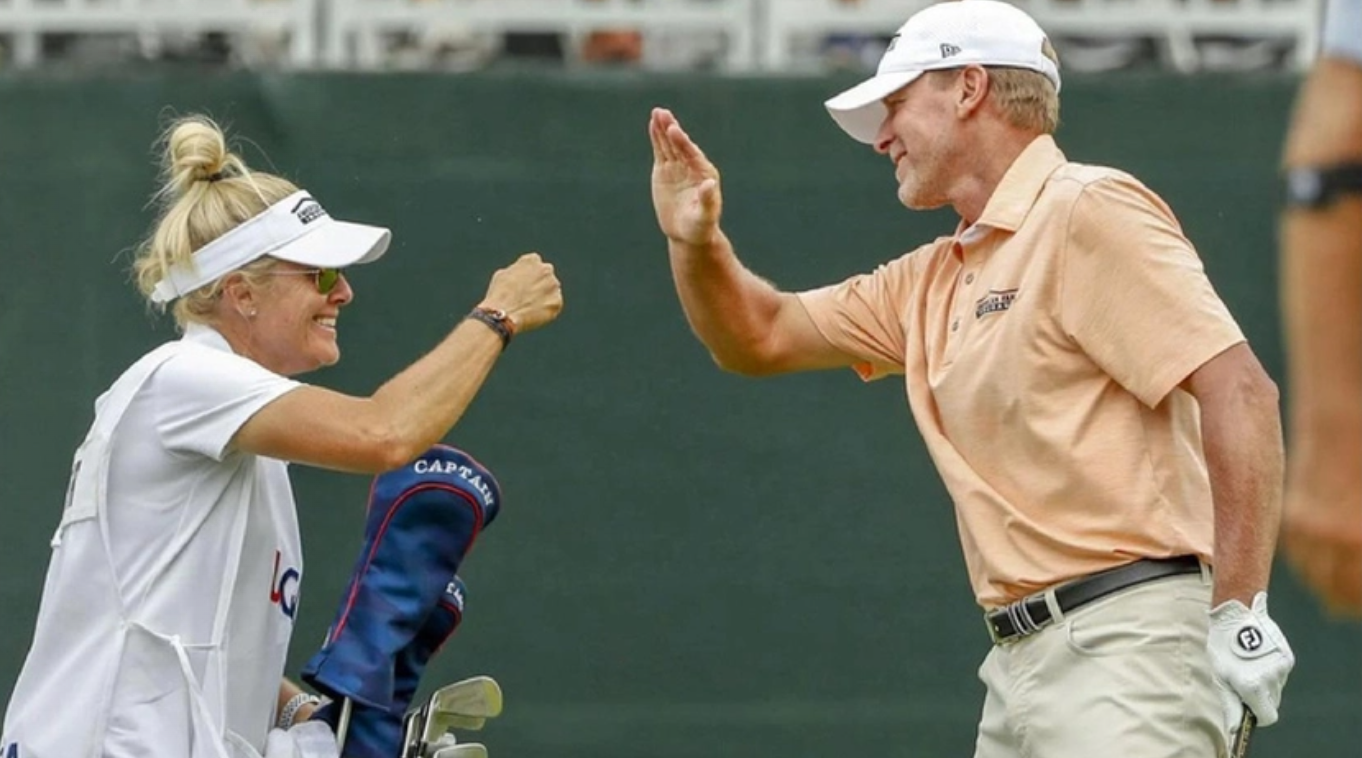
[[729, 308], [1322, 312], [1321, 266], [1242, 438]]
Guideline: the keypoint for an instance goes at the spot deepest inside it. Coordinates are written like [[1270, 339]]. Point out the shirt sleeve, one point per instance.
[[1135, 295], [863, 317], [203, 396]]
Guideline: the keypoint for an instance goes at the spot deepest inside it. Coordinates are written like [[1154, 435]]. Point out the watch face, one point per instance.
[[1304, 185]]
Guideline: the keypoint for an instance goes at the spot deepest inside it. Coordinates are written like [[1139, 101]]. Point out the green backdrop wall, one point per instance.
[[689, 563]]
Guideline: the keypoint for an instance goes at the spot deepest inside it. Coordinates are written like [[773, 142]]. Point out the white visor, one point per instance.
[[296, 229]]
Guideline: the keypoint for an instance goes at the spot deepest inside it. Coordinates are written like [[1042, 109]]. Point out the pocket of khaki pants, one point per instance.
[[1152, 617]]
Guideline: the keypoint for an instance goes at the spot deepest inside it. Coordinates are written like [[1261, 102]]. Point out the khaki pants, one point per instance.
[[1127, 675]]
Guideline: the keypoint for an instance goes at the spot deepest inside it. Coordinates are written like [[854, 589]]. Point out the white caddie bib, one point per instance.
[[87, 632]]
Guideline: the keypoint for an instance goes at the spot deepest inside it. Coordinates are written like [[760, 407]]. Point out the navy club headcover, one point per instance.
[[423, 518], [439, 627], [376, 732]]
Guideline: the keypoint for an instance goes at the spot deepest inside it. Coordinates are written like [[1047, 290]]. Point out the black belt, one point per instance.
[[1031, 614]]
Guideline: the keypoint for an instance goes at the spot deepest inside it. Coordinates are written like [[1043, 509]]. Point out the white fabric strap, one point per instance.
[[280, 224], [90, 467], [201, 716]]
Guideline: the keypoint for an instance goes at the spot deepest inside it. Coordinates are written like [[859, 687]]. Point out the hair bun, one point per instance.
[[196, 208], [195, 151]]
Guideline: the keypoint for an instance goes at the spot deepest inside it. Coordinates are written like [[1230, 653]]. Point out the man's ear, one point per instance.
[[973, 86]]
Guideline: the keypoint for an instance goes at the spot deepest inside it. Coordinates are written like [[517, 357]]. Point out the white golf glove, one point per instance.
[[1250, 658], [310, 739]]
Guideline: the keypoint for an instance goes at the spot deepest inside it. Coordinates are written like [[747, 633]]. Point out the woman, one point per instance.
[[170, 598]]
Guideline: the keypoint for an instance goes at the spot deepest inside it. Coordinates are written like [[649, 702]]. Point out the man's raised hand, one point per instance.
[[686, 192]]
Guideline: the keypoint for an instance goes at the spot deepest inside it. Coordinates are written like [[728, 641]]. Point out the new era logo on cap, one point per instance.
[[948, 50]]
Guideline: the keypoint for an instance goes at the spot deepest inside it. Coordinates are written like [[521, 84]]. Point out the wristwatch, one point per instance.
[[1315, 188], [497, 320], [1306, 187]]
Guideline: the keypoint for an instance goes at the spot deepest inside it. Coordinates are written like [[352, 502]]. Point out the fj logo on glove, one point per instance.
[[1250, 639]]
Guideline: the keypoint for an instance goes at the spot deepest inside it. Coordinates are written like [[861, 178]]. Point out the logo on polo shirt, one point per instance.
[[995, 301], [308, 210]]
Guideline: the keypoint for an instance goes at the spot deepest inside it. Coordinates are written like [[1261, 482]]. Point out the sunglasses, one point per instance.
[[325, 278]]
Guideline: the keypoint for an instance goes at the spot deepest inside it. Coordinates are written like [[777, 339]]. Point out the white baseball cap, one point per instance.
[[946, 35], [296, 229]]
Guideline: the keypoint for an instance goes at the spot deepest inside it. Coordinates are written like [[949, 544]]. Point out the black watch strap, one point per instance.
[[1318, 187], [497, 320]]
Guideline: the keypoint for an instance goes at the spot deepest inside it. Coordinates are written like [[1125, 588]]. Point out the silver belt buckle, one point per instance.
[[992, 631], [1019, 615]]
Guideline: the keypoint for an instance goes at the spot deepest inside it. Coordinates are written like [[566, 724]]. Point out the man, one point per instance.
[[1321, 262], [1101, 425]]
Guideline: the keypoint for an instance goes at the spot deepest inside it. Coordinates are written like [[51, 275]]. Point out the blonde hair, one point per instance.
[[206, 190], [1027, 99]]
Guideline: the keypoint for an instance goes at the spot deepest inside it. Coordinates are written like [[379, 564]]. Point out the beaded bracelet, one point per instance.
[[290, 710]]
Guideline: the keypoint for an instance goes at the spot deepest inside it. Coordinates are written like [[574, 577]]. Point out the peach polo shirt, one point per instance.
[[1042, 350]]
